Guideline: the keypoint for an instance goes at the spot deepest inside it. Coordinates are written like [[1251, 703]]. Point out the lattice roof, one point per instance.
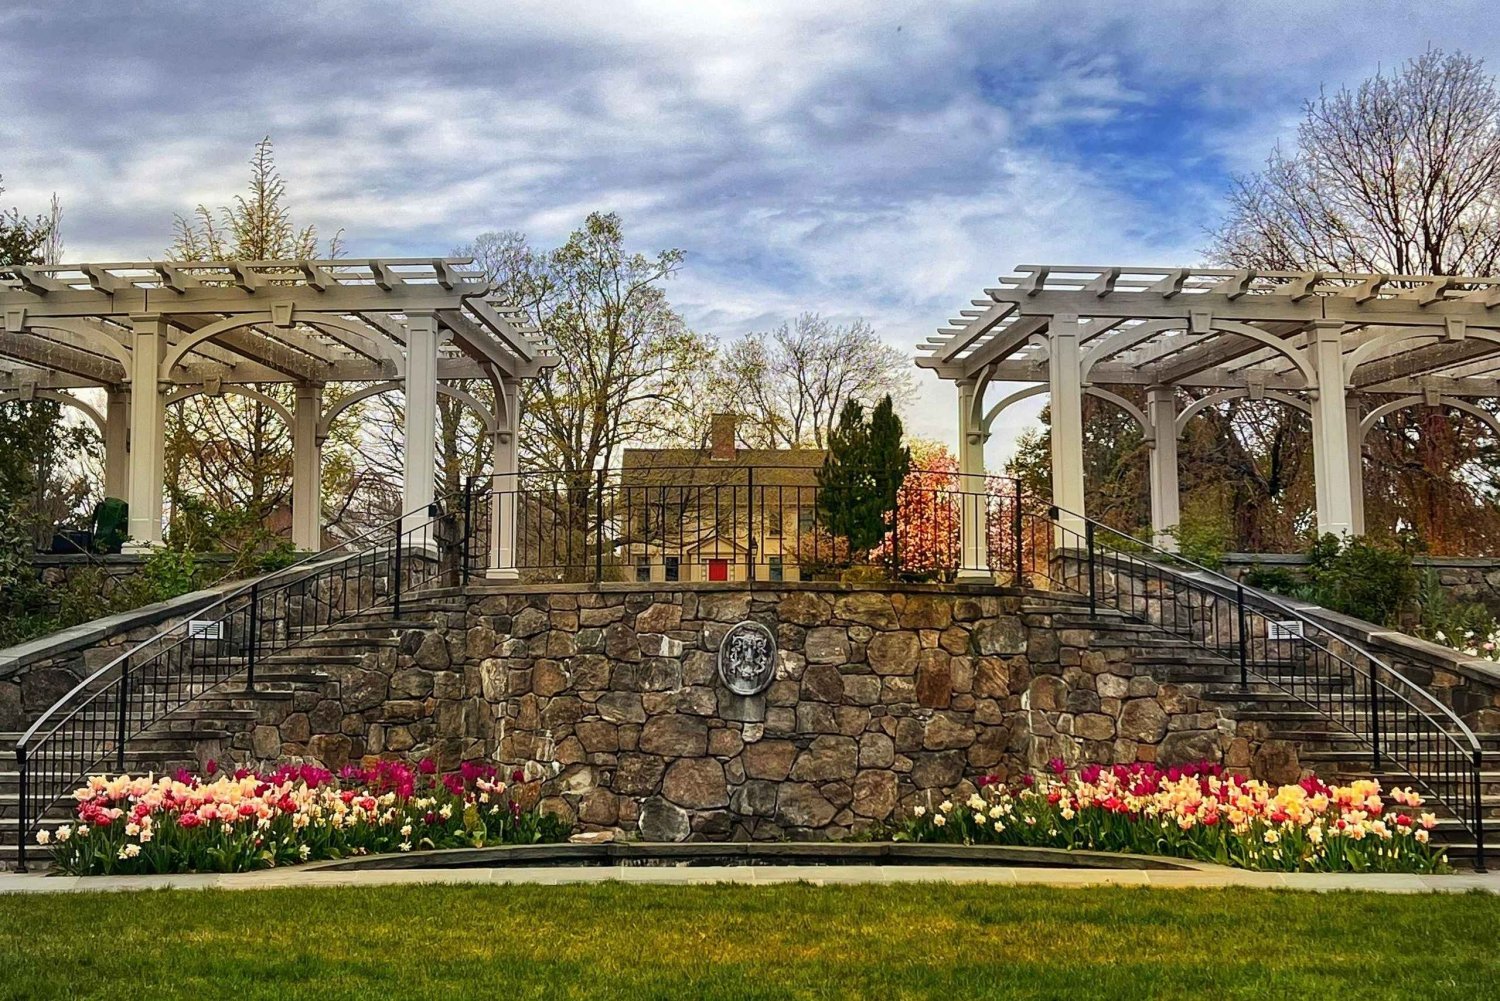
[[237, 322], [1228, 328]]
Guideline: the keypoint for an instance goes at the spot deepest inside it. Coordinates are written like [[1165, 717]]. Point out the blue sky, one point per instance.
[[878, 161]]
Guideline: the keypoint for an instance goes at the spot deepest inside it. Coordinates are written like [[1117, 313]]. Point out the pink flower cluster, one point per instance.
[[296, 812], [1198, 811]]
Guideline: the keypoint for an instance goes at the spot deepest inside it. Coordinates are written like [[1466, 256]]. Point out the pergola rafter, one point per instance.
[[147, 332], [1338, 345]]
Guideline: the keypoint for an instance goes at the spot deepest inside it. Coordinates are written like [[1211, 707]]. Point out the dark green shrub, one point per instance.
[[1361, 578]]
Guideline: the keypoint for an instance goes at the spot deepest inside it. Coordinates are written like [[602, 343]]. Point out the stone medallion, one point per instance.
[[747, 658]]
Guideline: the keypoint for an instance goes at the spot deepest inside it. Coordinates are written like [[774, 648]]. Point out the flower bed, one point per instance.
[[1197, 812], [297, 813]]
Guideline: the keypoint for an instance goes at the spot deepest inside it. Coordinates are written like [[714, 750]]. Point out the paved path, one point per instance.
[[1205, 877]]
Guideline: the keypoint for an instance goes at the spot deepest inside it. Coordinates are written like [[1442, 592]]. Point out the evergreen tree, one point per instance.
[[890, 460], [864, 469]]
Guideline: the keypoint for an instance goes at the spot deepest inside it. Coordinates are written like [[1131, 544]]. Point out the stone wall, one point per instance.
[[1464, 578], [883, 698]]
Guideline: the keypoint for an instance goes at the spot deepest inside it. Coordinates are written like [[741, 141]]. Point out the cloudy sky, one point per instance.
[[867, 160]]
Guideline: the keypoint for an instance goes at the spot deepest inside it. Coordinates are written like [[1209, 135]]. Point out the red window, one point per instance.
[[718, 569]]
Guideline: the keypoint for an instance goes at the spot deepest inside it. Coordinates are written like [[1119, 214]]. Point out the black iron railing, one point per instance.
[[765, 523], [1406, 729], [91, 726]]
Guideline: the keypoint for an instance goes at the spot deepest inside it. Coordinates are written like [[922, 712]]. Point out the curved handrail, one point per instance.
[[1380, 702], [159, 676], [330, 555], [1288, 612]]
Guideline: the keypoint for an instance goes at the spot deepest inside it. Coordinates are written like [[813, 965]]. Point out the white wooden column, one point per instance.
[[419, 482], [1065, 378], [972, 513], [307, 470], [504, 482], [1356, 466], [143, 478], [1161, 408], [116, 441], [1330, 419]]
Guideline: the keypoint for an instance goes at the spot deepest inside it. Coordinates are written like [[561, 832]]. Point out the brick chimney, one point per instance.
[[721, 430]]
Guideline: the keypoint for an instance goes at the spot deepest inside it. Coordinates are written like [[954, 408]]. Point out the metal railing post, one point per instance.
[[23, 770], [463, 553], [1017, 528], [1374, 718], [1479, 861], [121, 708], [751, 550], [254, 637], [1239, 603], [1088, 541], [599, 527], [396, 575]]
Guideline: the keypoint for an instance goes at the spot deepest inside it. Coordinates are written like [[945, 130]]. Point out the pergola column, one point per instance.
[[419, 472], [1356, 465], [504, 483], [1330, 427], [116, 441], [973, 499], [307, 469], [1161, 404], [143, 478], [1064, 374]]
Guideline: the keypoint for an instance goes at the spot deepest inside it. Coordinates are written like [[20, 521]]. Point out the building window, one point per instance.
[[776, 571], [671, 567], [805, 519], [643, 568]]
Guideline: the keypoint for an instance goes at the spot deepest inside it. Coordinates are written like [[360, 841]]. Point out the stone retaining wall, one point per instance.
[[883, 698]]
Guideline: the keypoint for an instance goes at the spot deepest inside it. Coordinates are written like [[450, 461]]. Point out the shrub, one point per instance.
[[1197, 812], [297, 813], [1466, 626], [1361, 578]]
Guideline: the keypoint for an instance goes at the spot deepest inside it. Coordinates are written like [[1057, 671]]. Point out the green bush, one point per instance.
[[1361, 578]]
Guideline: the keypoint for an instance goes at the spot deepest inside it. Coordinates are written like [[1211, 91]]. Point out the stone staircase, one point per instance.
[[232, 726], [1295, 737]]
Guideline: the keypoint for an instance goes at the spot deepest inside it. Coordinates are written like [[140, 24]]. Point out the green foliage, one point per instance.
[[1467, 625], [1356, 576], [22, 238], [1361, 578], [1202, 539], [859, 479]]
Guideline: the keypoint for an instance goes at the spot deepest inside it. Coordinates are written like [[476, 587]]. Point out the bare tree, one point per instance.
[[630, 371], [789, 384], [1399, 176]]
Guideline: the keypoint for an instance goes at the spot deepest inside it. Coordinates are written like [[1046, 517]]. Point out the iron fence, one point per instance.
[[91, 726], [1405, 728]]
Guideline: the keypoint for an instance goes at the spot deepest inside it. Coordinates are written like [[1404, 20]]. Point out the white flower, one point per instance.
[[129, 851], [304, 852], [1422, 837], [979, 820], [939, 820], [945, 806], [44, 836], [446, 812], [83, 831], [406, 830], [406, 846], [976, 802], [1272, 837], [920, 811]]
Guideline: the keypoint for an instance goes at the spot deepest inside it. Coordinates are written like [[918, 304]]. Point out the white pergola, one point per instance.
[[150, 334], [1345, 348]]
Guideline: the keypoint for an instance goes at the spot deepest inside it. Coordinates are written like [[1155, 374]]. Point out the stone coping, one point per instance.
[[87, 634], [481, 586], [1202, 877], [114, 559], [1300, 559], [753, 853]]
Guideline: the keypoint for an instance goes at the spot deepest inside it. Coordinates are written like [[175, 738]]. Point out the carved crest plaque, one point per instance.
[[747, 658]]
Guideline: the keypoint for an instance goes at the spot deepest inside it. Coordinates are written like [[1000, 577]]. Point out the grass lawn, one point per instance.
[[712, 942]]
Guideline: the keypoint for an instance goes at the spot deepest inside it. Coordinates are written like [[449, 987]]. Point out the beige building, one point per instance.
[[720, 513]]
